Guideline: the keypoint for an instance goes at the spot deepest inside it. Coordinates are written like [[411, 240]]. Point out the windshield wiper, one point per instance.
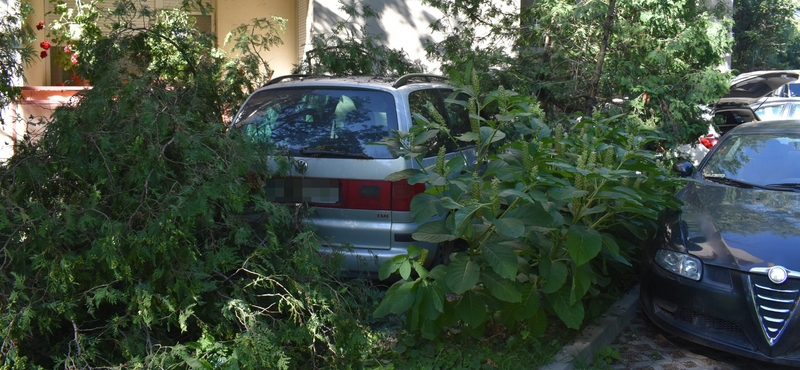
[[748, 185], [309, 151], [786, 185]]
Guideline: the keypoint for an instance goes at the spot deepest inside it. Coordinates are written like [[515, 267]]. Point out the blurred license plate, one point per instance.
[[303, 190]]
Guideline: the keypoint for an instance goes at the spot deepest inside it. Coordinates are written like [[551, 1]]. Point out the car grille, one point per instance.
[[773, 303], [717, 328]]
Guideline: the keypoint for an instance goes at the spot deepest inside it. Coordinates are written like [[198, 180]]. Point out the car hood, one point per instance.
[[741, 228], [748, 88]]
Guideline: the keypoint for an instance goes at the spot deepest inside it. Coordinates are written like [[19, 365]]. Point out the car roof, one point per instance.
[[357, 81], [779, 126], [776, 100]]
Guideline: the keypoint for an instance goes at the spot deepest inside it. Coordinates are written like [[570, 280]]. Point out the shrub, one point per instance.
[[125, 240], [542, 225]]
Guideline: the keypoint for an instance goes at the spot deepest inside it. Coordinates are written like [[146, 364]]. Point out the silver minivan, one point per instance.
[[327, 125]]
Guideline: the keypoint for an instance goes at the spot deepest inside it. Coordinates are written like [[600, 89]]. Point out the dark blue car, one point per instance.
[[724, 270]]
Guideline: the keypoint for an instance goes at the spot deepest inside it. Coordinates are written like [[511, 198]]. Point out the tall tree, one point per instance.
[[765, 33], [658, 58]]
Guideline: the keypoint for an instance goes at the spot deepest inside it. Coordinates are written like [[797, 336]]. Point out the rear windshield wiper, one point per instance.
[[748, 185], [333, 153]]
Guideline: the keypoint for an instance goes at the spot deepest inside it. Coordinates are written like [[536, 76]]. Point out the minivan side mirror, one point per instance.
[[684, 169]]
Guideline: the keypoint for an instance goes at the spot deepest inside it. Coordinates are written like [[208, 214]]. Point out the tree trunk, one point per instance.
[[601, 56]]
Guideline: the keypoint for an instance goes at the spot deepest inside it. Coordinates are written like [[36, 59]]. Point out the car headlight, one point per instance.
[[680, 263]]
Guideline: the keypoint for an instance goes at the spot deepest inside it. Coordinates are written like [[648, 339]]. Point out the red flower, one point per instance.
[[45, 45], [68, 49], [74, 59], [40, 25], [43, 54]]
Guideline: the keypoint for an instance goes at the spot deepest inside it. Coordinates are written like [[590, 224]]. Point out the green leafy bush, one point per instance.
[[135, 233], [542, 225]]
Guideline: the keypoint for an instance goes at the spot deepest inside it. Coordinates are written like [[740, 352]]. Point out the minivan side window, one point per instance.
[[456, 116]]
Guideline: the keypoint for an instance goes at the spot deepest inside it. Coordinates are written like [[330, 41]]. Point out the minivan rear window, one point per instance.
[[319, 122]]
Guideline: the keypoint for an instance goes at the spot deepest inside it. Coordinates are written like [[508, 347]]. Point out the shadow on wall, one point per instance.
[[398, 21]]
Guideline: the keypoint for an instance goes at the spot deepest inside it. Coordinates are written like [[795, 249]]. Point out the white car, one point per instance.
[[327, 125], [737, 107]]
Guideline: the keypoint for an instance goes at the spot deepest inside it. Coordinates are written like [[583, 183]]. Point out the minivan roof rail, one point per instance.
[[286, 77], [402, 81]]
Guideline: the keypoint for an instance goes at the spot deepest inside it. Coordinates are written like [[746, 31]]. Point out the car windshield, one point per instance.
[[756, 160], [320, 122]]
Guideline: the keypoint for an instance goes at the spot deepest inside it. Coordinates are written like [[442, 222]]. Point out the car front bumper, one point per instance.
[[719, 312]]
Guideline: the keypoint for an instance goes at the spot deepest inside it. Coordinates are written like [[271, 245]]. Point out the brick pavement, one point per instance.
[[644, 346]]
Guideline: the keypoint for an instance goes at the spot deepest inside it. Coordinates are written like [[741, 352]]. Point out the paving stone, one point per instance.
[[643, 346]]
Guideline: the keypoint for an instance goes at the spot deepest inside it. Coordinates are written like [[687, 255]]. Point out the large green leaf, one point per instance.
[[467, 136], [471, 309], [465, 215], [582, 279], [405, 270], [555, 274], [432, 178], [425, 136], [424, 206], [502, 259], [402, 175], [532, 214], [570, 314], [629, 191], [566, 192], [387, 268], [434, 232], [509, 226], [538, 323], [403, 298], [449, 203], [433, 303], [583, 244], [502, 288], [516, 193], [617, 196], [462, 273], [455, 164], [611, 243], [487, 132], [530, 303], [384, 308]]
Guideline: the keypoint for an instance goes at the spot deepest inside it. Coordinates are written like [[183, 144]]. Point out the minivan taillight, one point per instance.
[[402, 193], [375, 195], [363, 194]]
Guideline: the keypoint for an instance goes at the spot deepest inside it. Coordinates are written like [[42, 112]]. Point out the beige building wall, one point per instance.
[[232, 13], [402, 24]]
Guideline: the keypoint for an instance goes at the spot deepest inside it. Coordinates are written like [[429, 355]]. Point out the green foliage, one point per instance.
[[546, 222], [348, 49], [765, 34], [79, 27], [658, 58], [249, 42], [15, 50], [125, 240]]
